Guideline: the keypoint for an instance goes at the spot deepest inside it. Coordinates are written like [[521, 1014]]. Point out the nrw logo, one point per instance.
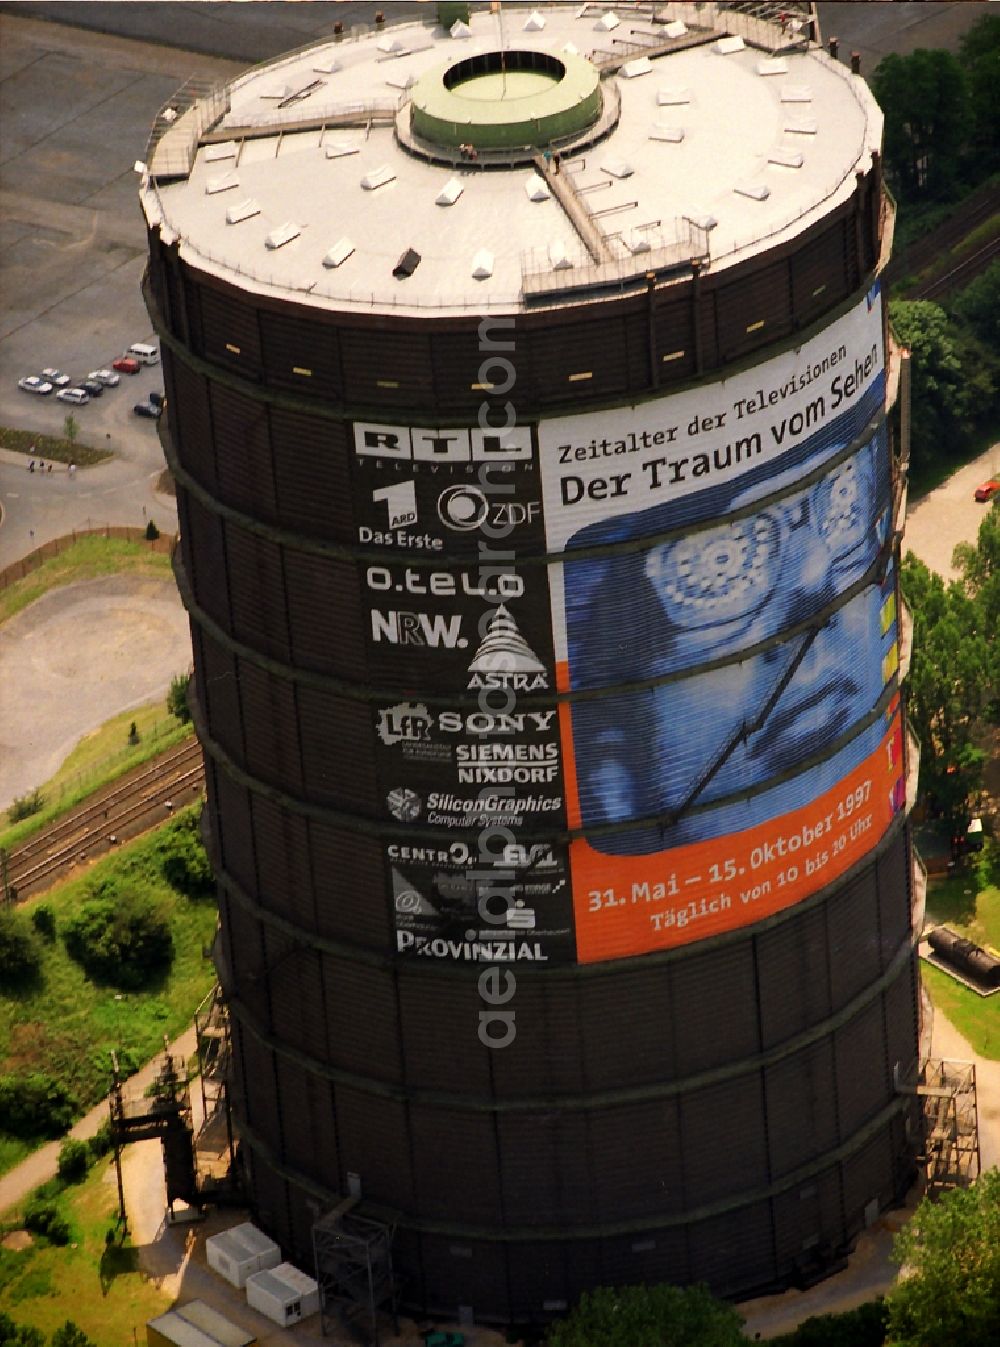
[[505, 659], [407, 722], [401, 502], [404, 628]]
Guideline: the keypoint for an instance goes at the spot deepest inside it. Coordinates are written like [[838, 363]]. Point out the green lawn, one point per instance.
[[67, 1025], [57, 448], [101, 1289], [973, 908], [85, 559]]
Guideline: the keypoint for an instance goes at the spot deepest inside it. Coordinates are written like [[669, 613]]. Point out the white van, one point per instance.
[[145, 354]]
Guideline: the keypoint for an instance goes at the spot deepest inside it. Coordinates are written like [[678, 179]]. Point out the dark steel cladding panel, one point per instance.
[[675, 339], [863, 1083], [248, 969], [260, 1104], [868, 1175], [281, 840], [243, 453], [301, 355], [312, 473], [338, 757], [623, 1189], [819, 272], [294, 1095], [348, 905], [546, 1167], [325, 616], [230, 333], [723, 1138], [457, 360], [295, 992], [734, 1251], [564, 358], [479, 1267], [455, 1165], [428, 1000], [546, 1057], [800, 1098], [893, 869], [373, 1132], [902, 1019], [648, 1258], [714, 1008], [388, 367], [191, 422], [271, 1206], [257, 592], [627, 1027], [272, 749], [221, 697], [752, 306], [538, 1275], [362, 1018], [233, 829], [793, 977], [852, 922], [206, 570]]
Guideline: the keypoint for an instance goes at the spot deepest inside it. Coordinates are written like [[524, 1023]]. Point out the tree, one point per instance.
[[948, 689], [20, 953], [177, 697], [980, 568], [949, 1291], [980, 55], [74, 1160], [17, 1335], [71, 428], [925, 98], [70, 1336], [120, 936], [649, 1316], [35, 1105], [978, 305]]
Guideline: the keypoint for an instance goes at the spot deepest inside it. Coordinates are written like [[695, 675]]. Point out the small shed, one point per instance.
[[283, 1293], [241, 1251], [196, 1325]]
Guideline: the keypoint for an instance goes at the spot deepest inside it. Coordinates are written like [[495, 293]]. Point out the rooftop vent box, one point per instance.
[[726, 46], [339, 253], [449, 193], [227, 150], [607, 23], [225, 182], [537, 189], [392, 46], [642, 65], [802, 126], [377, 178], [661, 131], [559, 259], [327, 67], [460, 29], [339, 149], [534, 22], [756, 191], [482, 265], [787, 158], [672, 95], [571, 49], [408, 262], [242, 210], [702, 219], [675, 28], [278, 91], [282, 235], [777, 66], [796, 93], [618, 168]]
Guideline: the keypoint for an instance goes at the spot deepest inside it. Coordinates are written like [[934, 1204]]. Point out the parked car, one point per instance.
[[988, 489], [31, 383], [156, 398], [56, 377], [105, 376], [78, 396], [126, 365], [149, 409], [93, 386]]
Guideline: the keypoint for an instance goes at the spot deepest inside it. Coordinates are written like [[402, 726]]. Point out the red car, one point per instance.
[[126, 365], [988, 489]]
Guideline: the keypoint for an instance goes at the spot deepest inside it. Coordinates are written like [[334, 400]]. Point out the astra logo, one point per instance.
[[453, 444]]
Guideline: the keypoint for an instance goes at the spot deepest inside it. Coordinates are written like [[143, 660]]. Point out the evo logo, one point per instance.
[[453, 444], [404, 628]]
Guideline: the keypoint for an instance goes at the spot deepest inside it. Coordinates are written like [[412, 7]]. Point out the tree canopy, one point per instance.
[[649, 1316], [949, 1290]]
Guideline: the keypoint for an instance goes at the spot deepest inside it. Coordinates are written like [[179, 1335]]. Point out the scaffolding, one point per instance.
[[353, 1256], [950, 1123], [215, 1144]]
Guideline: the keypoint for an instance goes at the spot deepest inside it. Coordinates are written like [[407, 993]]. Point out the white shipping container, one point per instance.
[[284, 1294], [238, 1253]]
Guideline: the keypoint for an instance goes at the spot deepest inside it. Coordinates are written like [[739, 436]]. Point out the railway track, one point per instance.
[[966, 270], [973, 212], [120, 811]]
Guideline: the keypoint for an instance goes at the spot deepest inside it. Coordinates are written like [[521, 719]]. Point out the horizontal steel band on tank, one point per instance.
[[186, 290]]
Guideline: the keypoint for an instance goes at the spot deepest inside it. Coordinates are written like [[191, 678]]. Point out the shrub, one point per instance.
[[34, 1105], [186, 865], [100, 1143], [20, 955], [152, 532], [74, 1160], [43, 919], [120, 937], [861, 1327], [44, 1218], [17, 1335], [177, 703], [451, 12], [70, 1336], [26, 805]]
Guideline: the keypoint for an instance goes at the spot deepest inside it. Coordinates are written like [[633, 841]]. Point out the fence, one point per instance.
[[17, 570]]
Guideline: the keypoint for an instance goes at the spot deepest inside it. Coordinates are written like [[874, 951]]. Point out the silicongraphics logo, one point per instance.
[[404, 804], [406, 722]]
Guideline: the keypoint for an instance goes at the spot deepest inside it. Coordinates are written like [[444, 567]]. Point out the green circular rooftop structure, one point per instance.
[[506, 99]]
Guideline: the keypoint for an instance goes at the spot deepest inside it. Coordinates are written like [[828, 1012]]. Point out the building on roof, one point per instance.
[[526, 399]]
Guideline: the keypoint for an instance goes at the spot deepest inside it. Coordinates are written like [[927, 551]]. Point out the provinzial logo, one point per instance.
[[407, 722], [505, 659]]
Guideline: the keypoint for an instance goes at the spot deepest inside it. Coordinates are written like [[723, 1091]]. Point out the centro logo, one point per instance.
[[454, 444]]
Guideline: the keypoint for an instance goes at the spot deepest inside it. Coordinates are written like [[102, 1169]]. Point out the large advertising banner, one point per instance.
[[726, 607], [490, 764]]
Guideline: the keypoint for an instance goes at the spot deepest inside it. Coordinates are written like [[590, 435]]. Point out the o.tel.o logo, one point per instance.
[[463, 508]]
